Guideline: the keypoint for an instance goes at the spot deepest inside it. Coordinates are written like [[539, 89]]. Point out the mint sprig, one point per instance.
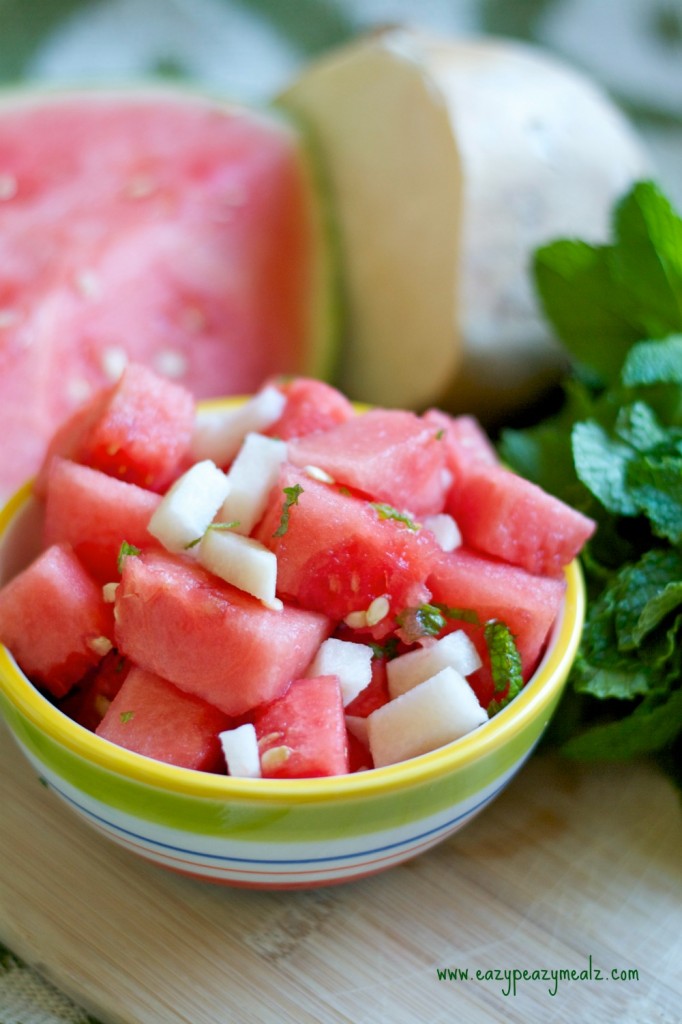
[[614, 450]]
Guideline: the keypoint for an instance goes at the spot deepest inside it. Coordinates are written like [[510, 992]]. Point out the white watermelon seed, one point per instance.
[[378, 610]]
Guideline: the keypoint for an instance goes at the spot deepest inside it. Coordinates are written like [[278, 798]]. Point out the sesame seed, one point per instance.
[[170, 363], [378, 610], [315, 473], [113, 361], [100, 645], [275, 757], [8, 186]]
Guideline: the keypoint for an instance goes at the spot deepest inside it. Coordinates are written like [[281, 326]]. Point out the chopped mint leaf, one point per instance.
[[638, 426], [461, 614], [416, 623], [388, 650], [385, 511], [291, 496], [126, 716], [505, 664], [211, 526], [123, 552]]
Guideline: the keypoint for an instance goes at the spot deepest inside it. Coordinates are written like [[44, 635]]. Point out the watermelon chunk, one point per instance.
[[303, 733], [179, 621], [337, 554], [527, 604], [311, 406], [148, 227], [504, 515], [389, 455], [54, 620], [88, 702], [154, 718], [140, 430], [464, 439], [95, 513]]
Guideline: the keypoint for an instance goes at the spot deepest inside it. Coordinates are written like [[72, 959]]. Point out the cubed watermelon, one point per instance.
[[464, 439], [504, 515], [388, 455], [88, 702], [374, 695], [527, 604], [95, 513], [178, 620], [153, 717], [311, 406], [337, 554], [54, 620], [303, 733]]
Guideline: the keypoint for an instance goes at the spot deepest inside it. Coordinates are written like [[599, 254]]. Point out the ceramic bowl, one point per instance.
[[275, 833]]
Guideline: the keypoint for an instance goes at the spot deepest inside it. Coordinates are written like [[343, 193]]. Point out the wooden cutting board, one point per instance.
[[571, 869]]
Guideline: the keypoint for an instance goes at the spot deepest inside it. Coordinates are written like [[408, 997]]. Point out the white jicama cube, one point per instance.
[[252, 476], [357, 726], [219, 435], [437, 711], [241, 561], [240, 747], [445, 530], [455, 650], [184, 512], [350, 662]]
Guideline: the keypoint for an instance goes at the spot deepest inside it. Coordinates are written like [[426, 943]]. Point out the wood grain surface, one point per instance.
[[571, 867]]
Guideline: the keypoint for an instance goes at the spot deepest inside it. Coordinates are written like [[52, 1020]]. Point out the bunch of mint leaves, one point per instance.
[[614, 450]]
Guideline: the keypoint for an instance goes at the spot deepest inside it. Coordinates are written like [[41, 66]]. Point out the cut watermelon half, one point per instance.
[[157, 226]]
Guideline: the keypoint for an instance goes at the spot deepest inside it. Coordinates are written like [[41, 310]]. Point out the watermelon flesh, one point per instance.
[[147, 227], [95, 513], [149, 629], [303, 733], [154, 718], [54, 620], [179, 621]]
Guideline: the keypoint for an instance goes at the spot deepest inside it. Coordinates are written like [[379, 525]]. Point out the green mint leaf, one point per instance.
[[211, 526], [654, 362], [647, 592], [655, 485], [638, 426], [585, 305], [416, 623], [647, 259], [388, 650], [505, 664], [126, 716], [652, 726], [385, 511], [601, 465], [291, 496], [460, 614], [124, 551]]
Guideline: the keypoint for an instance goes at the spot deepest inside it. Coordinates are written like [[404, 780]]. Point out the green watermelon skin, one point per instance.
[[152, 717], [53, 618], [180, 622], [149, 225]]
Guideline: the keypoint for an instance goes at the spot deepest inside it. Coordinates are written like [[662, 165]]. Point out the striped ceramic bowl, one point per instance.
[[275, 833]]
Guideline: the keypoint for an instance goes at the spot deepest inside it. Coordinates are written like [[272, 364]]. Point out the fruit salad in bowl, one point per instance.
[[280, 640]]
